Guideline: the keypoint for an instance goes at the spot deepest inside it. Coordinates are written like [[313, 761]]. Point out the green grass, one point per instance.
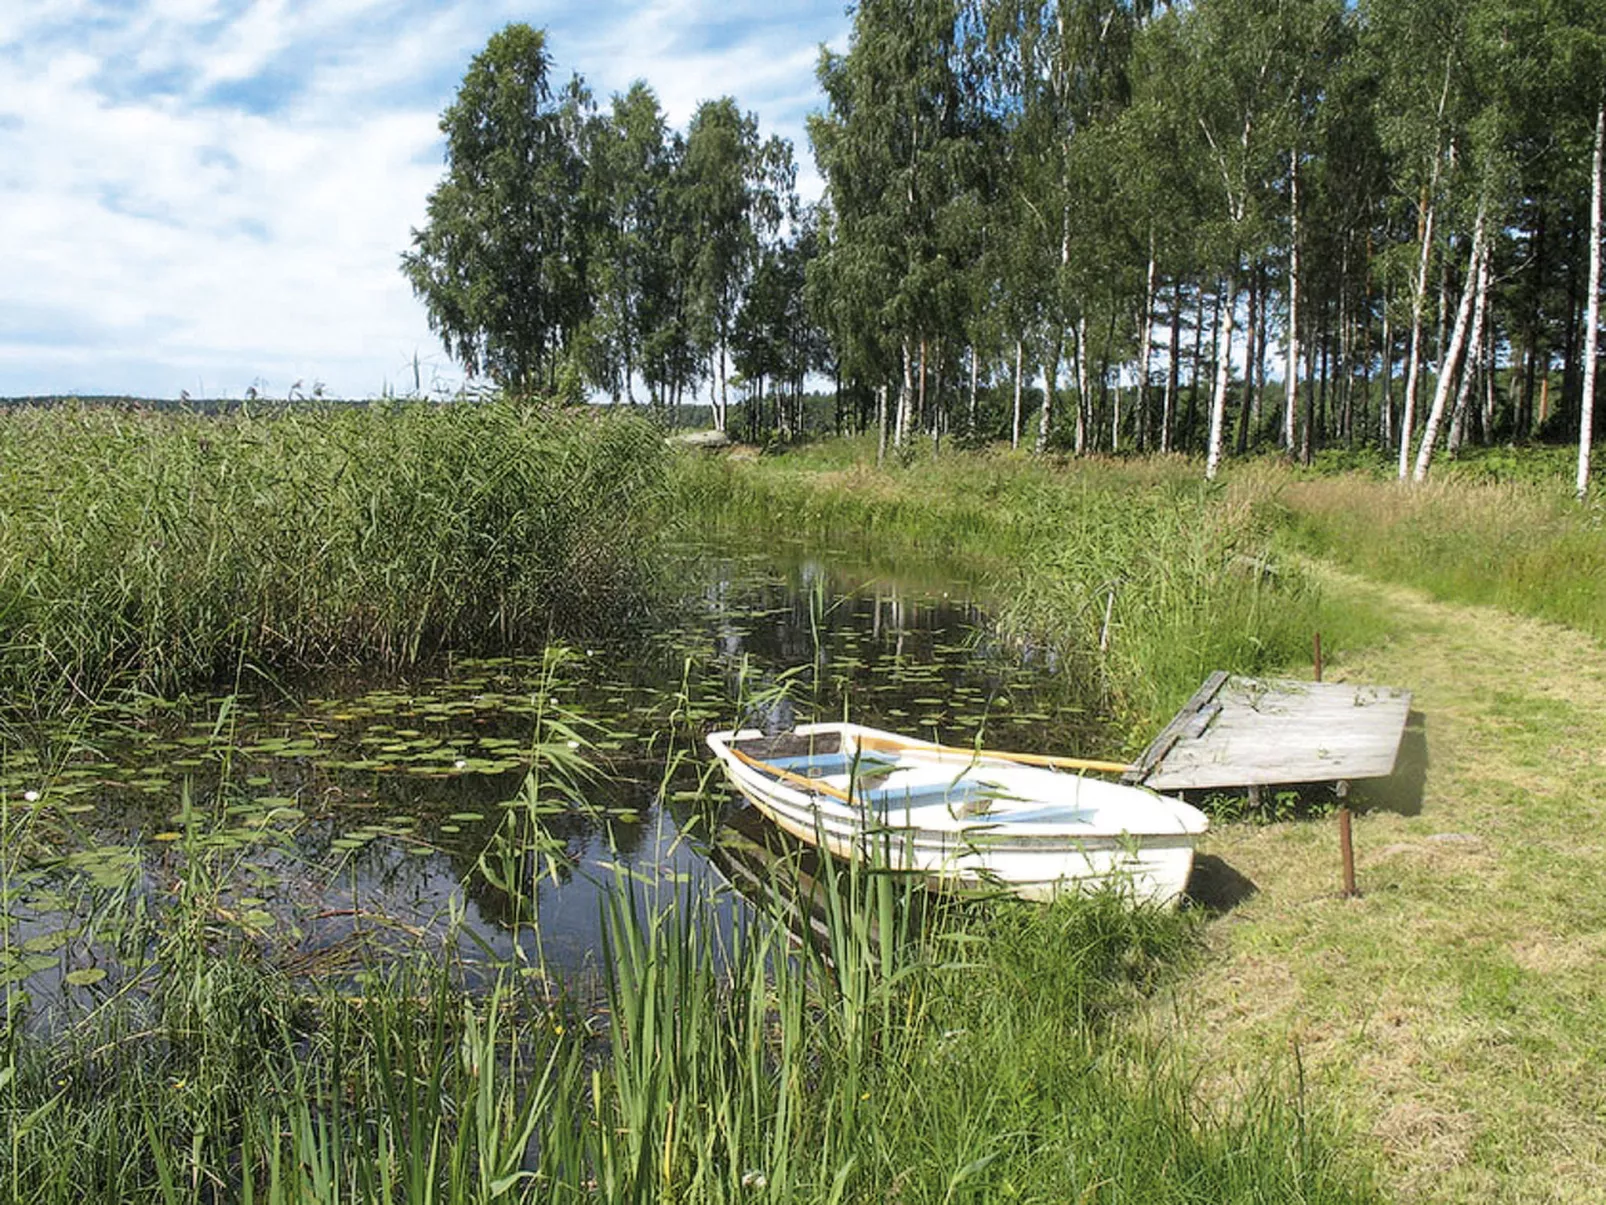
[[1449, 1010], [162, 551], [1507, 540]]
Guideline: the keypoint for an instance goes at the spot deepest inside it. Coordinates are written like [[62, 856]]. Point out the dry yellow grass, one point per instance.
[[1455, 1014], [1526, 546]]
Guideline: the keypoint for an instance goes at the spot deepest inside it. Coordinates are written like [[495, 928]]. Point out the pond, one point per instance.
[[347, 812]]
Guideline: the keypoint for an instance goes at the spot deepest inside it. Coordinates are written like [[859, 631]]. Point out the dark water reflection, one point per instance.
[[386, 794]]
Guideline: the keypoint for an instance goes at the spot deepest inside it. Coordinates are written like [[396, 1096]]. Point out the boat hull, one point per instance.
[[1041, 835]]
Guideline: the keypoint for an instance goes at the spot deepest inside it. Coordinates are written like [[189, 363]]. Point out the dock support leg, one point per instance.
[[1346, 845]]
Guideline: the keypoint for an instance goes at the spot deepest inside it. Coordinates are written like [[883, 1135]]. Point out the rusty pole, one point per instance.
[[1346, 843], [1347, 848]]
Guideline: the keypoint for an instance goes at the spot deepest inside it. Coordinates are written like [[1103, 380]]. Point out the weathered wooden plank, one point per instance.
[[1188, 717], [1264, 732]]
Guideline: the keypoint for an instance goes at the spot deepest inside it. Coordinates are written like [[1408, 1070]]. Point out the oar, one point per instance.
[[811, 784], [1029, 759]]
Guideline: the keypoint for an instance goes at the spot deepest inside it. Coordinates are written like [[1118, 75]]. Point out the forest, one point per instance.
[[1096, 225]]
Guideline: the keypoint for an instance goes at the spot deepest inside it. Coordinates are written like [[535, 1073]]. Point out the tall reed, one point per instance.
[[159, 550], [952, 1052], [1523, 545]]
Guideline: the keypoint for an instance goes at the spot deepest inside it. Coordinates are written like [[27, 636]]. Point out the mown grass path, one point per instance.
[[1455, 1014]]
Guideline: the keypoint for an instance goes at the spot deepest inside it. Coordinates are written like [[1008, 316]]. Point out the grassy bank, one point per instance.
[[1141, 577], [978, 1059], [1454, 1011], [162, 551], [1451, 1016], [1522, 545]]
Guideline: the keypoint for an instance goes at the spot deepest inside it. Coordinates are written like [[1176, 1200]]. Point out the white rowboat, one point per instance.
[[963, 817]]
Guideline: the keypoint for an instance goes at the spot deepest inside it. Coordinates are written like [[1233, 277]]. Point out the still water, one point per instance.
[[352, 812]]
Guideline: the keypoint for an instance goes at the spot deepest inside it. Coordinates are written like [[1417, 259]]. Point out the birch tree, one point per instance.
[[627, 184], [1417, 47], [500, 262], [733, 193], [1586, 418], [1450, 362], [897, 151], [1235, 93]]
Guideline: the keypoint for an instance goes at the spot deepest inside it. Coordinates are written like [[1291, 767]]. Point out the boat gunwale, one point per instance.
[[832, 802]]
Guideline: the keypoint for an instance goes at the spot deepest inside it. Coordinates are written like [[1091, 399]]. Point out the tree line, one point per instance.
[[1104, 225], [572, 248]]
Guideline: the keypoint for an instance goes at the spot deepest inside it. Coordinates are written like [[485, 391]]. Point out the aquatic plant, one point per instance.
[[1138, 577], [955, 1051], [161, 550]]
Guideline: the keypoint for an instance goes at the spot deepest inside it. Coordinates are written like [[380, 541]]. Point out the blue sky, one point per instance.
[[203, 195]]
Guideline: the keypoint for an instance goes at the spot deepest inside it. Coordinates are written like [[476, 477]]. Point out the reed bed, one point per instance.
[[1140, 577], [160, 551], [974, 1052]]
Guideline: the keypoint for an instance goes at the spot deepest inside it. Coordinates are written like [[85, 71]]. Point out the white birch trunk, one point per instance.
[[724, 386], [920, 414], [1413, 363], [1050, 382], [1014, 426], [975, 380], [1291, 373], [1081, 386], [1489, 398], [1168, 403], [1474, 357], [1144, 341], [1115, 414], [1452, 356], [906, 394], [1586, 416], [1385, 411], [881, 423], [1218, 402]]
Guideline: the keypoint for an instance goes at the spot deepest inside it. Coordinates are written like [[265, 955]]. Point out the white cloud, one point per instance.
[[155, 238]]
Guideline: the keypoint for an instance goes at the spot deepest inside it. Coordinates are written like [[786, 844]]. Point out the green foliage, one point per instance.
[[160, 550], [500, 262], [733, 192], [630, 159], [900, 151]]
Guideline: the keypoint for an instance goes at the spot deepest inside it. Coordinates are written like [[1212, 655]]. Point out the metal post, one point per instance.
[[1347, 849], [1346, 843]]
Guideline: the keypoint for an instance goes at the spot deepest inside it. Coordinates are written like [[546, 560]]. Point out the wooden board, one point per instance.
[[1243, 732]]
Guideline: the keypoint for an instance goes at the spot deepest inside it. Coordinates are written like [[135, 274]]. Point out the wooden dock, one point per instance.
[[1241, 732]]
